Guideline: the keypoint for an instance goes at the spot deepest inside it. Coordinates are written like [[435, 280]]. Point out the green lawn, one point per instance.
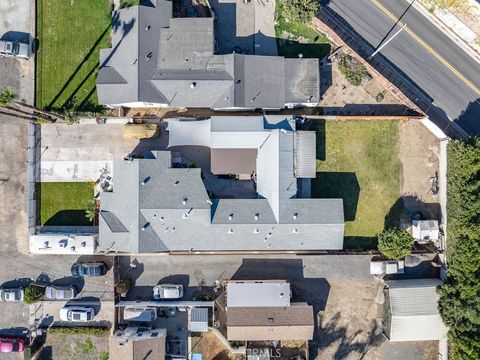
[[70, 35], [313, 45], [63, 203], [358, 161]]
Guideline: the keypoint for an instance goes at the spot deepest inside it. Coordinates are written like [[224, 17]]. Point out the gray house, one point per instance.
[[155, 207], [160, 61]]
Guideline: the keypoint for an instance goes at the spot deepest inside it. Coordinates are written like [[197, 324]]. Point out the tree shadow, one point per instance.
[[406, 207], [129, 269], [360, 243], [16, 283], [68, 218], [468, 119], [333, 334]]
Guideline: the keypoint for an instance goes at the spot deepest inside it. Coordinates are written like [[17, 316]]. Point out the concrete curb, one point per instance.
[[457, 38]]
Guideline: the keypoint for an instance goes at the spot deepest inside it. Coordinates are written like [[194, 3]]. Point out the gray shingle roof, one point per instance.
[[171, 211], [156, 58]]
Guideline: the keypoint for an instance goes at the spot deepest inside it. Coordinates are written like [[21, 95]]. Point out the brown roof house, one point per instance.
[[262, 311], [133, 343]]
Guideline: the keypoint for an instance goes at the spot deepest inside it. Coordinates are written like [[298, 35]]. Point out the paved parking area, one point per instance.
[[17, 23], [78, 152]]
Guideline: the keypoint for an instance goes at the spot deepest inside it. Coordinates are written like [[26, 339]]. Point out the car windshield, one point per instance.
[[16, 48]]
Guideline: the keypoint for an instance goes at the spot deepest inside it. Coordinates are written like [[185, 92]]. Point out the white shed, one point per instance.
[[412, 311], [425, 230]]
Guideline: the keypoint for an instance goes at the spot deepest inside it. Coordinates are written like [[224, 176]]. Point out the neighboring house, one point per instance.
[[155, 207], [262, 311], [411, 311], [160, 61], [133, 343]]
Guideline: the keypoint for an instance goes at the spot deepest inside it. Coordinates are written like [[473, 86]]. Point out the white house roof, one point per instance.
[[414, 310], [258, 294]]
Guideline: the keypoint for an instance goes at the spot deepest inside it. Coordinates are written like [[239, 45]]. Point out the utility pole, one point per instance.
[[386, 42]]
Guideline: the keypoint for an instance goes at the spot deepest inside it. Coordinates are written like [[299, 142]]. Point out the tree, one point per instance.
[[91, 210], [9, 103], [395, 243], [33, 294], [459, 302], [301, 11]]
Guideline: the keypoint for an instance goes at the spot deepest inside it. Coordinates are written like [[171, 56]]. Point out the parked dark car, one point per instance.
[[89, 269]]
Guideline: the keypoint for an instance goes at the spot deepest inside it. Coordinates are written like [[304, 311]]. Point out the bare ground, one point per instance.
[[419, 156], [73, 347], [211, 347]]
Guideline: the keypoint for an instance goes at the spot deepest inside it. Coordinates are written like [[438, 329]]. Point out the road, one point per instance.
[[423, 53]]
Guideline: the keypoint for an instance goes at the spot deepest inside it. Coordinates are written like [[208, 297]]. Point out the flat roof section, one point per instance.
[[233, 161]]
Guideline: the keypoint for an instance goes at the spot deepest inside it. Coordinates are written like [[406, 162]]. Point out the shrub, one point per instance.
[[33, 294], [460, 293], [79, 330], [301, 11], [395, 243], [353, 70]]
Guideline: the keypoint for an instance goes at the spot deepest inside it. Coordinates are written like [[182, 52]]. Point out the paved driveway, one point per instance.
[[17, 23]]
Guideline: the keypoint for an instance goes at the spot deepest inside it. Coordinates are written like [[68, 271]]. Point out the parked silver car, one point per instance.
[[15, 49], [167, 292], [11, 294], [76, 313], [60, 292]]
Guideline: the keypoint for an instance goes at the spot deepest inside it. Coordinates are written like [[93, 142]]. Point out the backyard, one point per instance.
[[70, 35], [64, 203], [295, 38], [358, 161]]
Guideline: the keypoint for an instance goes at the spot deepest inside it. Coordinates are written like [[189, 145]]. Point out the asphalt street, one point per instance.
[[451, 79]]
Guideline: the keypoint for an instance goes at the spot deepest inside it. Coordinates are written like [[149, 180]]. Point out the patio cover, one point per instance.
[[233, 161]]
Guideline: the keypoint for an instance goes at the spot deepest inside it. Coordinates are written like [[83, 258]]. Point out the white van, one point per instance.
[[139, 314]]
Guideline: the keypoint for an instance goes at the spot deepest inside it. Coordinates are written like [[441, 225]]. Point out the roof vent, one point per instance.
[[184, 202], [256, 216], [269, 246], [301, 244], [176, 183], [230, 217], [209, 202], [193, 84], [256, 231], [154, 216], [295, 216], [230, 231], [185, 216], [145, 180], [147, 224], [238, 81], [269, 234], [186, 59], [295, 230], [149, 56], [148, 27]]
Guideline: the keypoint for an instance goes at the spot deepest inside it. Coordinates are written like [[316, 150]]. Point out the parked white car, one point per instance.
[[76, 314], [14, 49], [9, 295], [167, 292], [60, 292], [387, 267]]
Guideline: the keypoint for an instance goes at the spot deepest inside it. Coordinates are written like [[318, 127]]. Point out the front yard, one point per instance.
[[70, 35], [294, 38], [358, 161], [64, 203]]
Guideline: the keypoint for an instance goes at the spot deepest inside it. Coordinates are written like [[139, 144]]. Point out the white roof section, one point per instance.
[[198, 320], [414, 310], [258, 294], [63, 244]]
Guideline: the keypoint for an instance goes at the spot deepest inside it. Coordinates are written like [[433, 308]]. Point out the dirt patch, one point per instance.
[[84, 347], [212, 348], [347, 325], [419, 155], [340, 93]]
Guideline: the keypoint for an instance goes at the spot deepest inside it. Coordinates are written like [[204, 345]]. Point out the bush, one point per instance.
[[33, 294], [395, 243], [460, 293], [353, 71], [301, 11], [79, 330]]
